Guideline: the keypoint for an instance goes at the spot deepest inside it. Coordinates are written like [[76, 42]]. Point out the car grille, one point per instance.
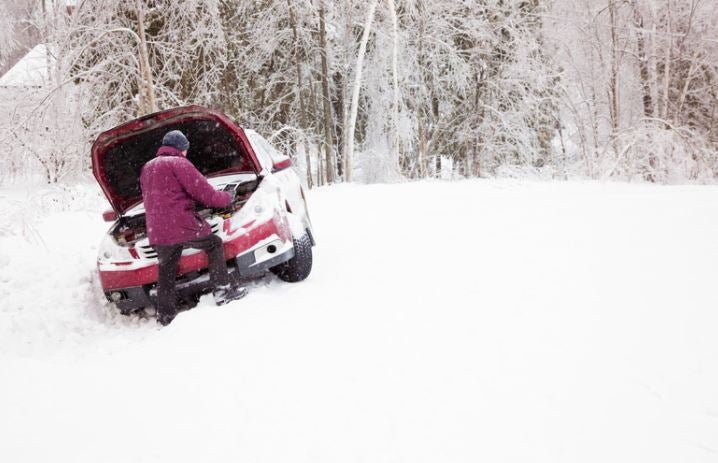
[[145, 251]]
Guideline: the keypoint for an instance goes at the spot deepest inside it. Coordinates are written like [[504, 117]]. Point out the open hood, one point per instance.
[[217, 147]]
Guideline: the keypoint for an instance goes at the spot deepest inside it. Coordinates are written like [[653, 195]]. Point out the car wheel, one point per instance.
[[298, 267]]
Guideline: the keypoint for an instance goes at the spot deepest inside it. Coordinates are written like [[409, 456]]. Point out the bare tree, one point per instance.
[[349, 150], [300, 87], [148, 95], [658, 86], [326, 102]]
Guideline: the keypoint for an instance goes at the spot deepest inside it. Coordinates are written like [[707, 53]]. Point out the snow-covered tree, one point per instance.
[[375, 91], [639, 86], [7, 34]]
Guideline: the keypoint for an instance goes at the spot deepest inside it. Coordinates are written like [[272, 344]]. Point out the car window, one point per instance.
[[267, 154]]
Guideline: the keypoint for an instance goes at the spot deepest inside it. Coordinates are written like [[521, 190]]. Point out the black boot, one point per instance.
[[165, 319], [228, 293]]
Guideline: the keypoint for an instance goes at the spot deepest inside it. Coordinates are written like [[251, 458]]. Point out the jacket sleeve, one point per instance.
[[197, 186]]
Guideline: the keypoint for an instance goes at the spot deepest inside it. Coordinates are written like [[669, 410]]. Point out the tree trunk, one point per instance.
[[145, 62], [328, 143], [46, 40], [343, 88], [421, 117], [686, 86], [643, 61], [645, 78], [654, 70], [340, 112], [313, 97], [300, 95], [479, 112], [613, 85], [421, 161], [435, 119], [395, 84], [667, 65], [355, 92]]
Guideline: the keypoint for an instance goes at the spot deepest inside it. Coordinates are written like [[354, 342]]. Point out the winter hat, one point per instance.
[[175, 139]]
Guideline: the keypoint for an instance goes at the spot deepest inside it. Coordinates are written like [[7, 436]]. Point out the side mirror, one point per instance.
[[109, 215], [281, 163]]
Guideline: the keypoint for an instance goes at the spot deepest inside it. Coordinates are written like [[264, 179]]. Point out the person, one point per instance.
[[170, 186]]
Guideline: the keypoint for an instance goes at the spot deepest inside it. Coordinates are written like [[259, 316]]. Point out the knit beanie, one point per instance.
[[176, 139]]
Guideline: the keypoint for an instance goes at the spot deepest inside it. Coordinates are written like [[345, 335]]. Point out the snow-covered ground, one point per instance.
[[498, 321]]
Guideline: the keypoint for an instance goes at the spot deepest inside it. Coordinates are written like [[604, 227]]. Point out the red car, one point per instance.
[[267, 227]]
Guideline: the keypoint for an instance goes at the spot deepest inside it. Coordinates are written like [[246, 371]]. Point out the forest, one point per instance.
[[377, 91]]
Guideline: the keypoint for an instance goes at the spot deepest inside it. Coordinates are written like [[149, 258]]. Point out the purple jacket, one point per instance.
[[170, 186]]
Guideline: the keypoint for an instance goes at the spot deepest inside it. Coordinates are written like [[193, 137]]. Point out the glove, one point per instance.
[[232, 196]]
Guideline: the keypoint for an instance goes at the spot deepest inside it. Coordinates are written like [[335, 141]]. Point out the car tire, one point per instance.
[[298, 267]]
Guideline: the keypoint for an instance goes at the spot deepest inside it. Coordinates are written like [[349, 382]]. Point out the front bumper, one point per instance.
[[252, 252], [190, 286]]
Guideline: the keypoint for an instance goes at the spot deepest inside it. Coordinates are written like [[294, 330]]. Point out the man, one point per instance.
[[170, 186]]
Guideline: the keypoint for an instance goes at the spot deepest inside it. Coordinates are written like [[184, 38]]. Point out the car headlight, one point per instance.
[[256, 208], [110, 251]]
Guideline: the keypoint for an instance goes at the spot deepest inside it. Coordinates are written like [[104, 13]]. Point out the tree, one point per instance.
[[349, 150], [646, 67], [7, 35], [326, 102]]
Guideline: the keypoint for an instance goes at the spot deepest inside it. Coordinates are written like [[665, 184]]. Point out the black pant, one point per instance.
[[169, 257]]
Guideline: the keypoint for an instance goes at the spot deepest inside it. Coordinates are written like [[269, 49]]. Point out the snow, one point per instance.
[[30, 71], [497, 320]]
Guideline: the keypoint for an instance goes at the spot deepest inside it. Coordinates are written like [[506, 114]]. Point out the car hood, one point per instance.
[[217, 147]]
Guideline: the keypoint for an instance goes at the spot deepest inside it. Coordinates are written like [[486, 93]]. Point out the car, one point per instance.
[[266, 228]]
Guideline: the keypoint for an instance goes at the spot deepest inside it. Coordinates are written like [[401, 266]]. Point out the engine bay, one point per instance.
[[131, 227]]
